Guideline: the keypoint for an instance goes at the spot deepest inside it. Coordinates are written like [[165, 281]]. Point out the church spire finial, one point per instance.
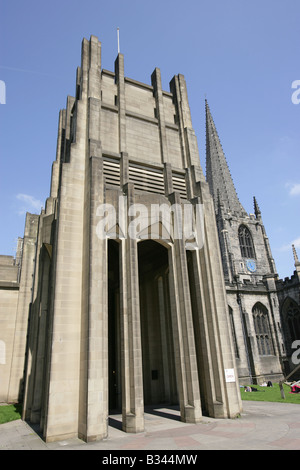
[[256, 209], [217, 171], [297, 262]]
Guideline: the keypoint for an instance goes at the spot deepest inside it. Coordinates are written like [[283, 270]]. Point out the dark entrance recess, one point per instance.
[[114, 372], [159, 376]]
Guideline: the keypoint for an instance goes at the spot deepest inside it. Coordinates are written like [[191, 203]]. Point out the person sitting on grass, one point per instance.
[[251, 389], [295, 388]]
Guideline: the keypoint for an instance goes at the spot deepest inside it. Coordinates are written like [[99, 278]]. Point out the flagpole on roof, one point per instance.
[[118, 34]]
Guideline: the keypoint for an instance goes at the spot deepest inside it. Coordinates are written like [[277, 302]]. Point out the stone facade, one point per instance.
[[121, 321], [16, 277], [249, 271], [9, 292]]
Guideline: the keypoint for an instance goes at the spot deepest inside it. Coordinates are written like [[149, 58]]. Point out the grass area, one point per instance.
[[10, 412], [271, 394]]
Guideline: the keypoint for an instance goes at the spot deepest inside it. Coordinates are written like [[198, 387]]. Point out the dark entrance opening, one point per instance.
[[159, 376], [114, 371]]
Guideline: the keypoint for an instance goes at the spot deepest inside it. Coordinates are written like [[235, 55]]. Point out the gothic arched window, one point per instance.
[[292, 313], [246, 242], [262, 330]]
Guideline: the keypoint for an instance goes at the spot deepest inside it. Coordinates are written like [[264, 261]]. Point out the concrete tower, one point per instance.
[[249, 271], [129, 304]]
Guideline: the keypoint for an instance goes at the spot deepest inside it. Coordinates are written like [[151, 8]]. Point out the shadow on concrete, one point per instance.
[[162, 411]]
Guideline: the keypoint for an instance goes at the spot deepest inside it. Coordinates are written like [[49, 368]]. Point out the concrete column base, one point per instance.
[[192, 414], [94, 438], [132, 423], [217, 410]]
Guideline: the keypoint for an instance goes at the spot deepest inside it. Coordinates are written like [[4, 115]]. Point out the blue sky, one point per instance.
[[243, 55]]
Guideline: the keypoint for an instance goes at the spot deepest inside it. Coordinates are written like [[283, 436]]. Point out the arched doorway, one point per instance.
[[159, 376], [291, 322]]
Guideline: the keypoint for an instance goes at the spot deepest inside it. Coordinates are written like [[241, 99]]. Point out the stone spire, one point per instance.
[[297, 262], [256, 209], [217, 171]]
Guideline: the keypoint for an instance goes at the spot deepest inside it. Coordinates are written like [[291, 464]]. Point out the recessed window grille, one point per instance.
[[111, 171], [179, 184], [147, 179]]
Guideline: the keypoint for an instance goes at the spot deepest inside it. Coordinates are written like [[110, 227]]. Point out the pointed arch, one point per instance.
[[262, 330], [246, 242], [291, 318]]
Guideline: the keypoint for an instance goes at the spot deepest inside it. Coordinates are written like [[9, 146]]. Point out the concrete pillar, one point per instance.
[[202, 340], [168, 179], [62, 385], [156, 83], [15, 389], [93, 396], [164, 335], [227, 394], [124, 169], [119, 72], [32, 401], [94, 363], [131, 347], [188, 138], [59, 152], [184, 343]]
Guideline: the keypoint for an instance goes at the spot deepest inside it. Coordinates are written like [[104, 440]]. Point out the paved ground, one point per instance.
[[262, 426]]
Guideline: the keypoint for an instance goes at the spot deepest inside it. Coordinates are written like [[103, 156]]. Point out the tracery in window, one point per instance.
[[262, 330], [246, 242]]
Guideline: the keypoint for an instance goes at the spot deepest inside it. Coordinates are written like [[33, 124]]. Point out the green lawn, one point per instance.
[[10, 412], [271, 394]]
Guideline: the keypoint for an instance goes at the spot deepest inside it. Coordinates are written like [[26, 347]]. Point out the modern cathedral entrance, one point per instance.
[[159, 378], [130, 319], [159, 371]]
